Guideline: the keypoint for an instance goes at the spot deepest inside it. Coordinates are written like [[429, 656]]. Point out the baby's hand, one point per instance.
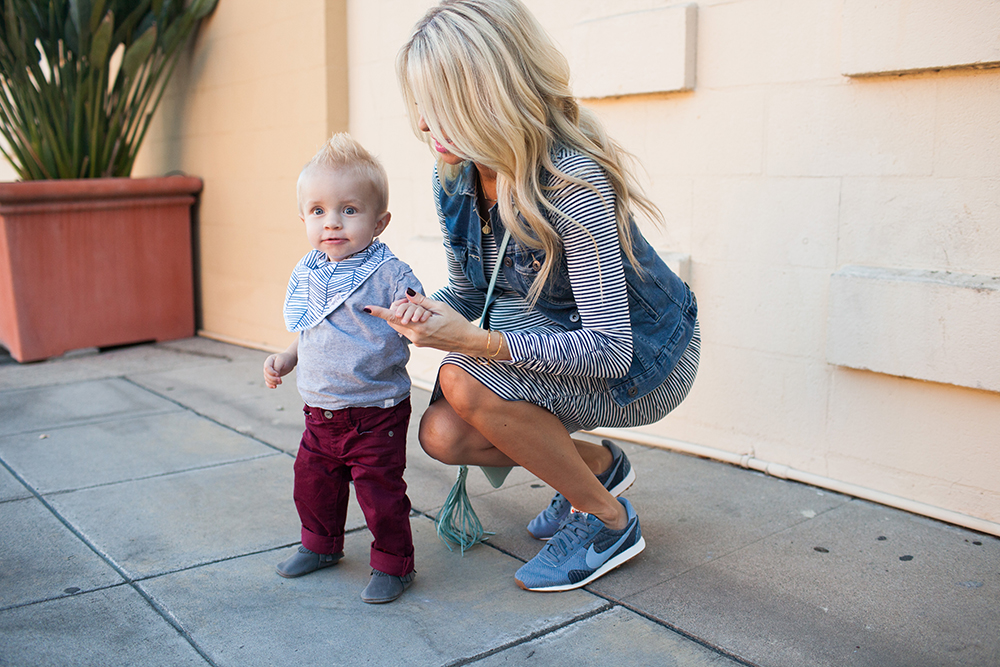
[[275, 367], [409, 312]]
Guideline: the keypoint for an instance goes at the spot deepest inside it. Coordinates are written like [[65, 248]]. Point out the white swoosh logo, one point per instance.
[[595, 559]]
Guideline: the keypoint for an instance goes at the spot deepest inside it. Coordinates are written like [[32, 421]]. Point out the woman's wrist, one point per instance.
[[494, 348]]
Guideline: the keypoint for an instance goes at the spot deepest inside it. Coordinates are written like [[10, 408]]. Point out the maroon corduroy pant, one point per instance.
[[368, 446]]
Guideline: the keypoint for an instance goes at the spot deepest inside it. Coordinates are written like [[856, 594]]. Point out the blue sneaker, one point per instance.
[[583, 550], [615, 479]]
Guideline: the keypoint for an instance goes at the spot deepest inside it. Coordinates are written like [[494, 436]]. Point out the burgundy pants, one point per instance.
[[368, 446]]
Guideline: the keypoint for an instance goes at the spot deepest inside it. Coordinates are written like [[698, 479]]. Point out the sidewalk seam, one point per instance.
[[673, 628], [530, 637], [164, 614], [207, 417]]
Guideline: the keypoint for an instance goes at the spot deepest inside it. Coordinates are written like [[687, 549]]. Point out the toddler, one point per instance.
[[351, 370]]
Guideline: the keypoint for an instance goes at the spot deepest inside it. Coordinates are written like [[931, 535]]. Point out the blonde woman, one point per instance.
[[585, 326]]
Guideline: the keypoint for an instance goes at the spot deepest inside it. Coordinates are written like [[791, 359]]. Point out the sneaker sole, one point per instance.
[[609, 565], [623, 485]]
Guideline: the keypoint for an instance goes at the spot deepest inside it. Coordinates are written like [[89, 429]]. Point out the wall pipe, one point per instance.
[[786, 472]]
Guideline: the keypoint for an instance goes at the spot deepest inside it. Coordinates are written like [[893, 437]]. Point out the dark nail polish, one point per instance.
[[367, 310], [409, 290]]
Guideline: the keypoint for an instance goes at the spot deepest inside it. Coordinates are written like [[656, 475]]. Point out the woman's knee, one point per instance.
[[465, 393], [438, 434]]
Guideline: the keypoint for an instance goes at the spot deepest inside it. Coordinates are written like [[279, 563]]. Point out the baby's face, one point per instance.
[[340, 209]]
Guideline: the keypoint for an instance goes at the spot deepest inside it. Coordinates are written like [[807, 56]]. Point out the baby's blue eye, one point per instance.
[[318, 211], [350, 210]]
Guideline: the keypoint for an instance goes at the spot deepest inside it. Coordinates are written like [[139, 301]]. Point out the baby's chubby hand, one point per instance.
[[277, 366], [407, 312]]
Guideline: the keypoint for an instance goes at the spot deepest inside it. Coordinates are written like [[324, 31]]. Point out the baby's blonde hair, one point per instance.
[[343, 152], [484, 75]]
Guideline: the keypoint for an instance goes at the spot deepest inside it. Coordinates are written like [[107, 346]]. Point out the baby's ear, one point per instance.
[[382, 223]]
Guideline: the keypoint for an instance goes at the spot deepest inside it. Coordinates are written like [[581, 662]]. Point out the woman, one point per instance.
[[585, 327]]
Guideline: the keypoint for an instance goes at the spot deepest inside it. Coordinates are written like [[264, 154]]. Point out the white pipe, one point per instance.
[[785, 472]]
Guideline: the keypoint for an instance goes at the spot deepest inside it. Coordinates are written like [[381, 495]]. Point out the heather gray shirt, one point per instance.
[[353, 359]]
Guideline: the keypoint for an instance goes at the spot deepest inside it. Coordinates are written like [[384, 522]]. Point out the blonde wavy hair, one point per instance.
[[485, 75]]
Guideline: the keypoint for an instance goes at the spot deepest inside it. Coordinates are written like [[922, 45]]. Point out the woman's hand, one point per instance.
[[429, 323]]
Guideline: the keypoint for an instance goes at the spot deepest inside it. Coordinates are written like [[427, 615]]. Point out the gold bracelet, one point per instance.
[[485, 360], [499, 346]]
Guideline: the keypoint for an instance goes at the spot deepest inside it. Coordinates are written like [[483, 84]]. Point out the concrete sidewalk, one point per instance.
[[145, 497]]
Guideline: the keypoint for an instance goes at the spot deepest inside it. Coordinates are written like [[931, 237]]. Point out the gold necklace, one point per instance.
[[487, 229], [486, 221]]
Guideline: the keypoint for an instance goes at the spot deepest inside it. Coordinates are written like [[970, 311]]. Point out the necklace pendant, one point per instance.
[[486, 228]]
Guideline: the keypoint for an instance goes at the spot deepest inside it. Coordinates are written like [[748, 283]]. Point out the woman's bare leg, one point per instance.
[[477, 427], [448, 438]]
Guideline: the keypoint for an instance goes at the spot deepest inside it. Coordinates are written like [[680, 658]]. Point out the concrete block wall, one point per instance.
[[931, 325], [774, 172], [816, 137], [911, 35]]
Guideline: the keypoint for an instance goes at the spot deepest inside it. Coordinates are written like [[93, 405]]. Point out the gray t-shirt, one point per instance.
[[353, 359]]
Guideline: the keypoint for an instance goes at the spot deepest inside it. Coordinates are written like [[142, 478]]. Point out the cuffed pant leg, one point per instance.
[[378, 462], [322, 489]]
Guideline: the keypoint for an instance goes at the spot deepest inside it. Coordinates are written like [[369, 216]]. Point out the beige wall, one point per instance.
[[778, 174], [266, 83]]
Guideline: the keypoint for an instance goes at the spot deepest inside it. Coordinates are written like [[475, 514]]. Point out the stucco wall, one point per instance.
[[774, 172], [264, 86], [794, 159]]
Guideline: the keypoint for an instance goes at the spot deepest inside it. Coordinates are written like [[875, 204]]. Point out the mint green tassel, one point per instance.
[[457, 522]]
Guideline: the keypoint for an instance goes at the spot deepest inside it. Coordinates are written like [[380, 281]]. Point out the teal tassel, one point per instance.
[[457, 522]]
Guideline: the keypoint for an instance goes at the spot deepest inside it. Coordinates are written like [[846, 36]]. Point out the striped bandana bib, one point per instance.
[[318, 286]]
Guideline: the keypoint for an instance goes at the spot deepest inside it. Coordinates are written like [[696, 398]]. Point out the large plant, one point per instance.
[[80, 80]]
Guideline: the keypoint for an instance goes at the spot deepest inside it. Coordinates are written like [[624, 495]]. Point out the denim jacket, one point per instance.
[[662, 309]]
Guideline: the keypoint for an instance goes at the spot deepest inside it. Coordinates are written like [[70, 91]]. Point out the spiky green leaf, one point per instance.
[[100, 48], [138, 52]]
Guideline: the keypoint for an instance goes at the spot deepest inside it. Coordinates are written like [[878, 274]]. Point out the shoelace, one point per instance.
[[571, 535], [555, 507]]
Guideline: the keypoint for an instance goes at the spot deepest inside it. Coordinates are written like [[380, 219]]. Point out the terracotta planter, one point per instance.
[[95, 263]]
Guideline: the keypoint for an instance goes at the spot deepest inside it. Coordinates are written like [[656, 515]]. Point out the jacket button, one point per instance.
[[632, 391], [328, 414], [574, 317], [508, 262]]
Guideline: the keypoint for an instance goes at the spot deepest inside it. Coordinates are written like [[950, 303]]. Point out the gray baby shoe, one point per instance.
[[304, 561], [384, 587]]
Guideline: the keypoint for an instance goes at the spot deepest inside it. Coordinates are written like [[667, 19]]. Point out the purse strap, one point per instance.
[[493, 278]]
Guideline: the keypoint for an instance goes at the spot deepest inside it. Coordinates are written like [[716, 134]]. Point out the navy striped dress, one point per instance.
[[560, 370]]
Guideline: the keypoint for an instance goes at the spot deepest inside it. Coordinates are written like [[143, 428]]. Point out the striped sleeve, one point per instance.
[[603, 346]]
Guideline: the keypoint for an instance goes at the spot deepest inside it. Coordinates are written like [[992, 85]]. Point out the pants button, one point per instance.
[[328, 414]]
